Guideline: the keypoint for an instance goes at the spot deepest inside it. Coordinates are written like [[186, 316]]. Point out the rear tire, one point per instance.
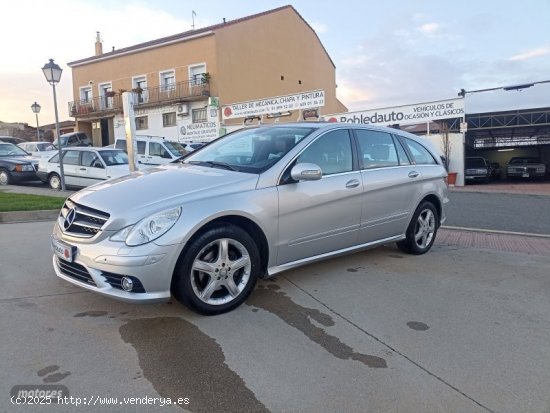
[[55, 181], [218, 271], [422, 230]]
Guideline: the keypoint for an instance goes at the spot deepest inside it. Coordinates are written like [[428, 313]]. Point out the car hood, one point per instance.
[[132, 197], [19, 160], [115, 171]]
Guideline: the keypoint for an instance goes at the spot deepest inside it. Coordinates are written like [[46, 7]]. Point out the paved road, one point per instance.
[[496, 211], [456, 330]]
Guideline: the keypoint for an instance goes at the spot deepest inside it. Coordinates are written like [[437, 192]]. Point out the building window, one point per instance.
[[169, 119], [167, 81], [141, 123], [86, 94], [196, 74], [199, 115], [139, 83]]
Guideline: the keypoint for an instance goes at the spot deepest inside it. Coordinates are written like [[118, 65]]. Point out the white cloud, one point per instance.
[[319, 28], [530, 54], [429, 28]]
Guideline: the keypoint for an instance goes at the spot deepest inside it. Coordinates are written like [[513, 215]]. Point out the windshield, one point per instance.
[[44, 147], [475, 163], [250, 150], [114, 157], [9, 149], [175, 148]]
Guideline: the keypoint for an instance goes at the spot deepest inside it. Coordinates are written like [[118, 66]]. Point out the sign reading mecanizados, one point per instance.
[[417, 113]]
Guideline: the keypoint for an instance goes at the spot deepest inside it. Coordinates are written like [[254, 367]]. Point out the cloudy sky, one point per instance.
[[387, 53]]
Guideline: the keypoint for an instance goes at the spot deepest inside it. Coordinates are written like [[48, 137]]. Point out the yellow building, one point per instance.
[[180, 82]]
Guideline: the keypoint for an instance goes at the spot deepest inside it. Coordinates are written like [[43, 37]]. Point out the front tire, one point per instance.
[[218, 271], [5, 177], [55, 182], [420, 235]]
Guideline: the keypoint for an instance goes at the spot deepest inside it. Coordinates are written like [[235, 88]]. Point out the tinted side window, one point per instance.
[[73, 139], [54, 159], [71, 157], [141, 147], [332, 152], [403, 158], [420, 154], [376, 149]]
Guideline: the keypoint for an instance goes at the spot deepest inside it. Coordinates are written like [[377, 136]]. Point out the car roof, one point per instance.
[[90, 148]]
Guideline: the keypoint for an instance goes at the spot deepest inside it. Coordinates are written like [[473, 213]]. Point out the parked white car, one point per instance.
[[83, 166], [40, 149], [153, 150]]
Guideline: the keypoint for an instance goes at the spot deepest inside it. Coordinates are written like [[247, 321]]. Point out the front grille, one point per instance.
[[86, 223], [115, 280], [76, 271]]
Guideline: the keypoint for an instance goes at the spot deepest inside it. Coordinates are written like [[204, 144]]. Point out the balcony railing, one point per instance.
[[146, 97]]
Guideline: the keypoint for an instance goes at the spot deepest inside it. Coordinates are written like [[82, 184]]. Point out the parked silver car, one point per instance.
[[251, 204]]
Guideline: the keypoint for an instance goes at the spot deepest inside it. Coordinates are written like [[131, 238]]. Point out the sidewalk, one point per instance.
[[494, 241], [36, 190], [524, 188]]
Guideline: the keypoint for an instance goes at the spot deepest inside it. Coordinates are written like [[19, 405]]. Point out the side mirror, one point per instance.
[[306, 172]]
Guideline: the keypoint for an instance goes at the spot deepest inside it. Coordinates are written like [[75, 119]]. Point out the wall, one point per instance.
[[253, 55], [119, 70], [456, 163]]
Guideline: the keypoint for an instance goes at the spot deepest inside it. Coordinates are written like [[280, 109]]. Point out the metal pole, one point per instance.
[[37, 131], [130, 129], [58, 139]]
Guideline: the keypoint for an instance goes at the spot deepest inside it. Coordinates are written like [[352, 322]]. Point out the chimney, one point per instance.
[[98, 45]]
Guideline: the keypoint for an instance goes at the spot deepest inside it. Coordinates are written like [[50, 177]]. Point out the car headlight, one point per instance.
[[148, 229], [24, 168]]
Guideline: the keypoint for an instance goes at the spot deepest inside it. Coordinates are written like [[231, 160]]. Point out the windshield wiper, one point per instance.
[[214, 164]]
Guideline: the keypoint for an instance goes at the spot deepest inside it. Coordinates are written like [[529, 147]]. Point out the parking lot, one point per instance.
[[460, 329]]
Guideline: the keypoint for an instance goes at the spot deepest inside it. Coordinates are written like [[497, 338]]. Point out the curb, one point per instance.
[[28, 216], [494, 231]]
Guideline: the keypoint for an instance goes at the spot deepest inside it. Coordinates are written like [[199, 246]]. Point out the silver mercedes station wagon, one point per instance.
[[251, 204]]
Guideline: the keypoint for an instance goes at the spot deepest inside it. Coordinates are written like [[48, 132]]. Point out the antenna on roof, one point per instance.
[[193, 15]]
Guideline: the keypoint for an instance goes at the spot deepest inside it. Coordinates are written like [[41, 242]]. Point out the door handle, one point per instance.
[[82, 169], [413, 174], [354, 183]]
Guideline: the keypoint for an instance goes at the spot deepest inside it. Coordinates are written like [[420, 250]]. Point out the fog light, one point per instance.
[[127, 284]]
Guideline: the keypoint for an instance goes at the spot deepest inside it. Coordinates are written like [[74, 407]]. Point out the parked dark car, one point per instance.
[[477, 169], [525, 167], [16, 165], [11, 139], [74, 139]]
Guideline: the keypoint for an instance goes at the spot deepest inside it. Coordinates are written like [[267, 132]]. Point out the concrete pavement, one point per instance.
[[459, 329]]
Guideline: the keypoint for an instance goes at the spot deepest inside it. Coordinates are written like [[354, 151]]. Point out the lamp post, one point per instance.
[[53, 75], [36, 109]]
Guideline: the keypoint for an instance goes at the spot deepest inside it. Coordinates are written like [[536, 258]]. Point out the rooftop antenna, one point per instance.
[[193, 15]]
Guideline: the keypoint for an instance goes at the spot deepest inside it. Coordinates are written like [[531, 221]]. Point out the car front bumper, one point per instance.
[[24, 176], [98, 266]]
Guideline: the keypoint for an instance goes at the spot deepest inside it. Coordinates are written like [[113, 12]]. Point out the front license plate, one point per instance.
[[525, 175], [64, 251]]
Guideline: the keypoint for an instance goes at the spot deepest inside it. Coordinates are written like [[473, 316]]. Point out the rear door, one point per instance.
[[390, 185], [71, 167]]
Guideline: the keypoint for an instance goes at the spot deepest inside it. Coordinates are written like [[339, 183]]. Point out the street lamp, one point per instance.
[[53, 76], [36, 109]]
